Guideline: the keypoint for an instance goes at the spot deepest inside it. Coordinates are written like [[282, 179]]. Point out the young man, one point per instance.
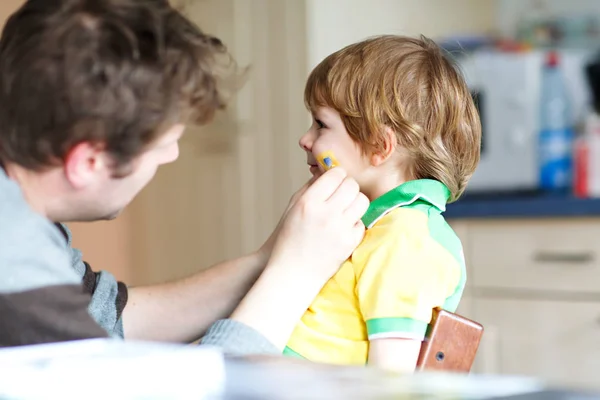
[[94, 95]]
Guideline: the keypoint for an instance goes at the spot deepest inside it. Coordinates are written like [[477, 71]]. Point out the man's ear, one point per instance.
[[389, 146], [84, 163]]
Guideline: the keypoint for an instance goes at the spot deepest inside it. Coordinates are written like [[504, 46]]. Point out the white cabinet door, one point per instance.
[[556, 341]]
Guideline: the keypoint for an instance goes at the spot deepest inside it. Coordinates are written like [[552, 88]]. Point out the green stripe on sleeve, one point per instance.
[[289, 352], [402, 326]]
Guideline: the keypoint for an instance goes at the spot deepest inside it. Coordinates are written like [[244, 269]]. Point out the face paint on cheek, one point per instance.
[[327, 160]]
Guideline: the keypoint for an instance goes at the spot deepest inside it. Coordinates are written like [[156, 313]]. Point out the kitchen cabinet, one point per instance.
[[556, 340], [537, 255], [534, 285]]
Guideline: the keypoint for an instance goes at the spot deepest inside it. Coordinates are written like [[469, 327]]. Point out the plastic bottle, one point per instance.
[[556, 134]]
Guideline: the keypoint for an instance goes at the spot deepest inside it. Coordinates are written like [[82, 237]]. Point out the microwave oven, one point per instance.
[[506, 89]]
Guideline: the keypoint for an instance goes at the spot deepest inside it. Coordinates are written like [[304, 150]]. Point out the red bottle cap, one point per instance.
[[552, 59]]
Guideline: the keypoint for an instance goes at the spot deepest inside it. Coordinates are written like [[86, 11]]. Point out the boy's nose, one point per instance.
[[306, 141]]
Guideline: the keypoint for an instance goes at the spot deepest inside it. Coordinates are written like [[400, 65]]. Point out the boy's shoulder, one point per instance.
[[400, 223], [406, 227], [400, 220]]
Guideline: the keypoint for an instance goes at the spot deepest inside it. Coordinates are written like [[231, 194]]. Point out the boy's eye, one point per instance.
[[320, 124]]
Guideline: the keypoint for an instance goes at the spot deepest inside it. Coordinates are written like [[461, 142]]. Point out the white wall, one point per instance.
[[333, 24]]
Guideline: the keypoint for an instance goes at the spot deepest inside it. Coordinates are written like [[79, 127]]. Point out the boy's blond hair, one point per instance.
[[406, 84]]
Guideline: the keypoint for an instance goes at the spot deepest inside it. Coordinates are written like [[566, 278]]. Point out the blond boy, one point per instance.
[[400, 119]]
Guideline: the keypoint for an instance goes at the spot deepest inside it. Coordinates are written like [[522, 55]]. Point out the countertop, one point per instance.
[[522, 206]]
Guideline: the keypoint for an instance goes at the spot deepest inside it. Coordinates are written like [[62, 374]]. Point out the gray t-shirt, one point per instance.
[[49, 294]]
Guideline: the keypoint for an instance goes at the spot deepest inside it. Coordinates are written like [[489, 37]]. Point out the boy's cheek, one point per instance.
[[324, 142], [317, 148], [323, 146]]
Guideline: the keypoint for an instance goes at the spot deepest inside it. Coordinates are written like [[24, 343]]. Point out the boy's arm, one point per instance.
[[398, 287], [399, 355]]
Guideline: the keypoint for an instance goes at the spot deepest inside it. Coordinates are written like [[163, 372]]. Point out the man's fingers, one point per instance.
[[300, 192], [357, 208], [354, 236], [325, 185], [308, 183], [344, 195], [358, 233]]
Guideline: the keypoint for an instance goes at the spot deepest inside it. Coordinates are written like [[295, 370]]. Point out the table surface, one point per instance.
[[138, 370], [282, 378]]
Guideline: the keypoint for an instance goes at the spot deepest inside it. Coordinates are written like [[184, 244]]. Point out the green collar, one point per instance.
[[426, 190]]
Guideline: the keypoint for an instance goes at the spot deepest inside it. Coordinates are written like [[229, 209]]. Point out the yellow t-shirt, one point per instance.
[[409, 262]]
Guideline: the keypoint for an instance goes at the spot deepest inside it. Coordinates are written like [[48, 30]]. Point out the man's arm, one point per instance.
[[179, 311], [182, 311], [46, 314]]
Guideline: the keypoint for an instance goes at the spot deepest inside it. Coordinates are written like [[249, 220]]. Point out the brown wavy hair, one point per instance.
[[118, 73], [409, 85]]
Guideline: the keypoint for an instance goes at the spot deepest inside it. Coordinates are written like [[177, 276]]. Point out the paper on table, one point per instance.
[[104, 368]]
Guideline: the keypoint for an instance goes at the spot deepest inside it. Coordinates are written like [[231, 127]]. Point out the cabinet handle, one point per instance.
[[564, 257]]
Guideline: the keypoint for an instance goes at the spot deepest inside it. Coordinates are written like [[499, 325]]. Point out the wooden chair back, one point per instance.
[[450, 344]]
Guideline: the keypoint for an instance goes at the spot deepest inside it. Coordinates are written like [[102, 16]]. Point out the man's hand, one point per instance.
[[319, 231], [267, 248], [323, 226]]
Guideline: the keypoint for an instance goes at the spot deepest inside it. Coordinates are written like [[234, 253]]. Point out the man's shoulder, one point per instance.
[[33, 252], [75, 256]]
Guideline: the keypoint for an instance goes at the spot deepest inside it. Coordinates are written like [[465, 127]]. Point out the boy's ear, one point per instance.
[[389, 146]]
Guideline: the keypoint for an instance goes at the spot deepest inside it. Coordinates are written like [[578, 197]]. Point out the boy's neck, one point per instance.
[[383, 184]]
